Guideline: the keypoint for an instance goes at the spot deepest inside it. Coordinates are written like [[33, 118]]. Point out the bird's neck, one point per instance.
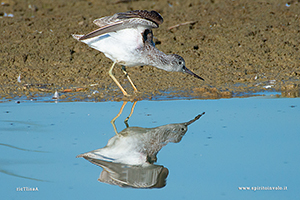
[[158, 59]]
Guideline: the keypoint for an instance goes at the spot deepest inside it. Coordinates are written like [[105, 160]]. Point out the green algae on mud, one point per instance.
[[236, 46]]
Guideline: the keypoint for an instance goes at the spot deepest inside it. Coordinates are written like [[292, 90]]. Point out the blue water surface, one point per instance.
[[240, 149]]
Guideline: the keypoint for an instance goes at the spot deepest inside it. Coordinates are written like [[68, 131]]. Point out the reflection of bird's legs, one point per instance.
[[126, 120], [116, 81], [114, 119], [129, 79]]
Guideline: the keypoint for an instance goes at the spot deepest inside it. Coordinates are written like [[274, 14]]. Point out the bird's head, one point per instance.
[[178, 64]]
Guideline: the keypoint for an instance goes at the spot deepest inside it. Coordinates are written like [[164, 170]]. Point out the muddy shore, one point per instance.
[[238, 47]]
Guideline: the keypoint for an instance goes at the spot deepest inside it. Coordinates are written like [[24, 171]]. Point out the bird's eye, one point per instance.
[[180, 63]]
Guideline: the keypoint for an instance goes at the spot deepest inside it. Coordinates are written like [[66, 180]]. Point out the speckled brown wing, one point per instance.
[[143, 14], [130, 19]]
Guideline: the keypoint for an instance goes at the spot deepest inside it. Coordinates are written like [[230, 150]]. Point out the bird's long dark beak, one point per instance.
[[186, 70]]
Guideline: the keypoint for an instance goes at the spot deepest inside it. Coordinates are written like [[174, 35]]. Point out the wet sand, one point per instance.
[[238, 47]]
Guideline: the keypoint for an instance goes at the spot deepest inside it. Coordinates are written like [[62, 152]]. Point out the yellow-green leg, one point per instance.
[[116, 81], [129, 79]]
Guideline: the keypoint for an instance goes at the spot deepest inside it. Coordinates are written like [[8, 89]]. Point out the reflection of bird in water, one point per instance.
[[139, 146], [127, 159]]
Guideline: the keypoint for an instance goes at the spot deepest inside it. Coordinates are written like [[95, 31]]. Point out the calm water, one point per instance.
[[242, 142]]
